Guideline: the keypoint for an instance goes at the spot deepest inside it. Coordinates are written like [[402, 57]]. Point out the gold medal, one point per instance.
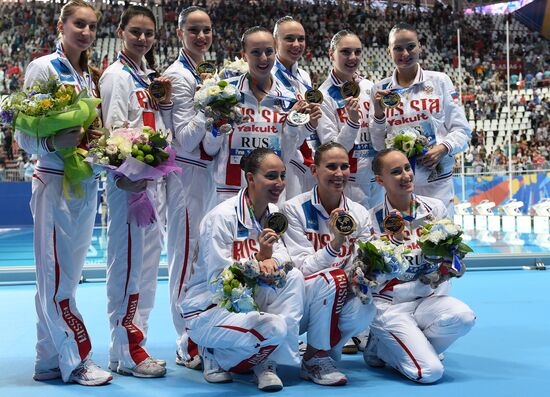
[[313, 95], [393, 224], [277, 222], [390, 100], [345, 224], [157, 91], [206, 67], [350, 88]]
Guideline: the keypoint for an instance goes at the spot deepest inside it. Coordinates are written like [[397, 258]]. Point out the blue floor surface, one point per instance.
[[505, 355]]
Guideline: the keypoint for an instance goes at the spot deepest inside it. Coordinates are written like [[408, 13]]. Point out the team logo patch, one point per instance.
[[428, 89]]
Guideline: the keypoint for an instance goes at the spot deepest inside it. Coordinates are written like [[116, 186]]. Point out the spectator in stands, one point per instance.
[[8, 141]]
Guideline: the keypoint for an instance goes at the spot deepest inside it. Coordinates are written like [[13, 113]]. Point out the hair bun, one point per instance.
[[244, 162]]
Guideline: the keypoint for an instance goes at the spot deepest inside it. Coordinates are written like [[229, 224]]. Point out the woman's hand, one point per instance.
[[434, 155], [314, 110], [66, 138], [338, 239], [267, 238], [352, 107], [167, 83], [269, 266], [301, 106], [92, 133], [128, 185], [378, 108]]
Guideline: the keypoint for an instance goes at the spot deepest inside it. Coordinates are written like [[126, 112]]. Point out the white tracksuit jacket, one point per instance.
[[332, 314], [298, 174], [62, 234], [133, 252], [241, 340], [431, 106], [355, 137], [268, 127], [414, 323], [190, 194]]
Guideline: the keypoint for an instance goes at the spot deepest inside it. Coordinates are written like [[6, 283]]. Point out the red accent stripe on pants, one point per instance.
[[56, 269], [135, 336], [128, 260], [186, 257], [340, 297], [257, 358], [409, 353], [76, 325]]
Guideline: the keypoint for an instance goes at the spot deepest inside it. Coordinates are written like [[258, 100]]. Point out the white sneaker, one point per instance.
[[350, 347], [441, 356], [46, 374], [320, 369], [193, 363], [89, 373], [266, 377], [212, 371], [113, 365], [148, 368], [370, 354]]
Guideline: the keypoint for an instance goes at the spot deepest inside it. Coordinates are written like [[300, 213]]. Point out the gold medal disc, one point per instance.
[[276, 221]]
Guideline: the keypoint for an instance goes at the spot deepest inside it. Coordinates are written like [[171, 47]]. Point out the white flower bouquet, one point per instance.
[[233, 68], [409, 141], [442, 246], [375, 258], [239, 282], [219, 101]]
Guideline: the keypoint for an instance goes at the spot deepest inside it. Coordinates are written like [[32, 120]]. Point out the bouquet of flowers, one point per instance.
[[46, 108], [374, 258], [239, 282], [136, 153], [233, 68], [442, 246], [408, 141], [219, 101]]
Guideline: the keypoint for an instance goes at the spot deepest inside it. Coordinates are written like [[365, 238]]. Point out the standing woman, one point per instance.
[[414, 322], [232, 232], [63, 226], [133, 252], [347, 109], [290, 43], [262, 101], [324, 254], [428, 103], [190, 193]]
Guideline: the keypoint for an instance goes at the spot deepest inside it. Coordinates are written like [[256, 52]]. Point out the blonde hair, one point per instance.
[[66, 11]]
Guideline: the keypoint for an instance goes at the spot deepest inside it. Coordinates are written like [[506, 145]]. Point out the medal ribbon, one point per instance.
[[280, 98], [83, 82], [296, 77], [412, 208], [250, 207], [188, 64], [133, 69]]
